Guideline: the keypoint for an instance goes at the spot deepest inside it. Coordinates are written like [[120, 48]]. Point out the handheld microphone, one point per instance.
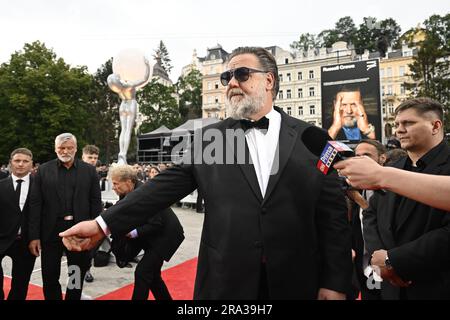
[[322, 145], [329, 152]]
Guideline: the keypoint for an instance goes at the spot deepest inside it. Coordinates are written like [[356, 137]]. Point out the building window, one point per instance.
[[389, 72], [209, 85], [280, 94], [281, 77], [216, 100], [381, 73], [402, 89], [299, 76], [382, 90], [300, 111], [384, 110], [312, 109], [289, 111], [300, 93], [288, 77], [389, 90], [311, 74], [391, 107], [210, 100], [286, 61], [216, 85], [311, 91], [288, 94], [401, 71]]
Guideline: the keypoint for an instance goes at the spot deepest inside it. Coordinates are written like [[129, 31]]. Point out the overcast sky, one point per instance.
[[89, 32]]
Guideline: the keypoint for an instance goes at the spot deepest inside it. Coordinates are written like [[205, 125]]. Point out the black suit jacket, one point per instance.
[[300, 227], [418, 245], [45, 198], [11, 218], [162, 233]]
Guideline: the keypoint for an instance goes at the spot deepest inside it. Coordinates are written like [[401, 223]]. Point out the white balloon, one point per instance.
[[129, 65]]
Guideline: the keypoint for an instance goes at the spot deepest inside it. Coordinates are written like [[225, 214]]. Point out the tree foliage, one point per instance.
[[158, 106], [431, 66], [370, 35], [104, 125], [40, 97], [189, 90], [162, 53]]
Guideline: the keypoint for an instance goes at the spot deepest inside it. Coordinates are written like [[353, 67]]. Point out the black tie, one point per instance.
[[18, 188], [262, 123]]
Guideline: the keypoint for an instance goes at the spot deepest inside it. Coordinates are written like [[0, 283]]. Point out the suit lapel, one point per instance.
[[247, 168], [286, 142], [29, 192], [12, 194]]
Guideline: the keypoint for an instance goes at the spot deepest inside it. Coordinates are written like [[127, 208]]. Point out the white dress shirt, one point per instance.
[[262, 148], [23, 191]]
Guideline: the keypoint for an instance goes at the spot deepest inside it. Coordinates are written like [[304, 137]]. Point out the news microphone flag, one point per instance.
[[329, 154]]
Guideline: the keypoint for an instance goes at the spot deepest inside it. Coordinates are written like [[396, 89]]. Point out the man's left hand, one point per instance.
[[378, 263]]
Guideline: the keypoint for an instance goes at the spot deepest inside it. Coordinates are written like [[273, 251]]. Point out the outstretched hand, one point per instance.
[[82, 236]]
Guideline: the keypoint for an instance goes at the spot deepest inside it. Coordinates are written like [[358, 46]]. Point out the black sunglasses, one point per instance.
[[240, 74]]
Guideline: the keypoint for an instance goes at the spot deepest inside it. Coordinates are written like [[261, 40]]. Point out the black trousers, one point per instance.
[[77, 262], [147, 276], [22, 267]]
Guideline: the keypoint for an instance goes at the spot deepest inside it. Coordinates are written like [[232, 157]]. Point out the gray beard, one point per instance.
[[246, 107]]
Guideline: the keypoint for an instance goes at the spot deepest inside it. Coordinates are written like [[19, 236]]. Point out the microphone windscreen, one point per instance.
[[315, 139]]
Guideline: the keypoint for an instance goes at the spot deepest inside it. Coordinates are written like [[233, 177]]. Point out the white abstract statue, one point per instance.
[[131, 71]]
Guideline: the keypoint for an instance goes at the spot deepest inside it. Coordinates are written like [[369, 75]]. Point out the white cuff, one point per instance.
[[133, 234], [103, 225]]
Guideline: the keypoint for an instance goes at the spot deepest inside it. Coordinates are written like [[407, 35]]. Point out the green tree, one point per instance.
[[163, 53], [189, 90], [158, 106], [376, 35], [344, 30], [306, 41], [40, 97], [104, 125], [431, 66]]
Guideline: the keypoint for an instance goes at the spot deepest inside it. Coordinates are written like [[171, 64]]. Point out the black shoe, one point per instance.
[[89, 277]]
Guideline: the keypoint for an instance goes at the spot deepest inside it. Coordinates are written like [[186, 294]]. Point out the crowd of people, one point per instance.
[[275, 227]]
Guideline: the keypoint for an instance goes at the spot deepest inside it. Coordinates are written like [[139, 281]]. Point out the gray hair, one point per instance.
[[123, 172], [265, 59], [63, 137]]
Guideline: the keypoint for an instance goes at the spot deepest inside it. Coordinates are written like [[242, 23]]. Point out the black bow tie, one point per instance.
[[262, 123]]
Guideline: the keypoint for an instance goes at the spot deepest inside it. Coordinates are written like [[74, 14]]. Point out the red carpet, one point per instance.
[[179, 280], [34, 292]]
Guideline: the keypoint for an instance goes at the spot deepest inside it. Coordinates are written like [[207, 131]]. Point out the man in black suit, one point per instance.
[[410, 241], [274, 227], [14, 208], [66, 191], [369, 291], [159, 237]]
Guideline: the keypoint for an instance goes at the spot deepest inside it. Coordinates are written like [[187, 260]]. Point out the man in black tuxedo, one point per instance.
[[14, 209], [274, 227], [66, 191], [410, 241], [159, 237]]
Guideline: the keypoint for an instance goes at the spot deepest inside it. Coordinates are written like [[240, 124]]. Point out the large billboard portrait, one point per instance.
[[351, 107]]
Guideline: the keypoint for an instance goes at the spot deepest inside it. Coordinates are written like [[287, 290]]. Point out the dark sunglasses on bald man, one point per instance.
[[240, 74]]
